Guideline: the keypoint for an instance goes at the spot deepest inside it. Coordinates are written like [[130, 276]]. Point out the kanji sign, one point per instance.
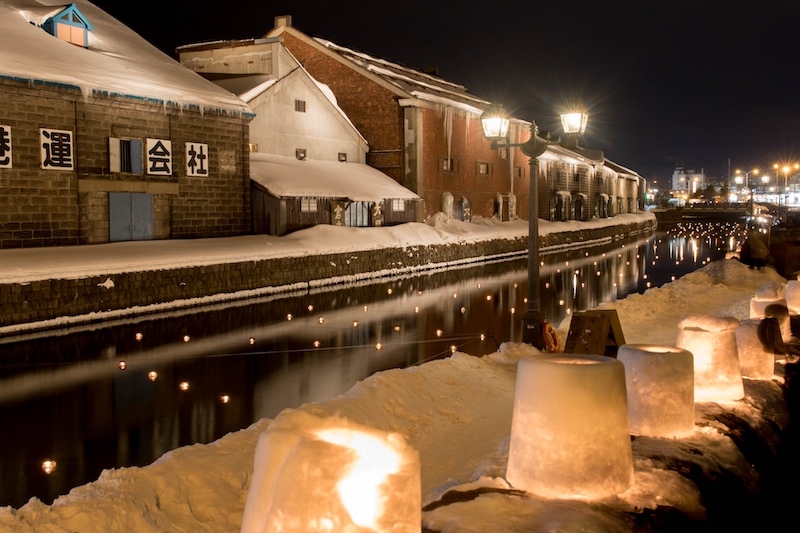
[[196, 159], [5, 146], [56, 149], [159, 157]]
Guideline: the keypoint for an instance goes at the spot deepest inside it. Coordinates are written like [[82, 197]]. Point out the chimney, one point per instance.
[[283, 21]]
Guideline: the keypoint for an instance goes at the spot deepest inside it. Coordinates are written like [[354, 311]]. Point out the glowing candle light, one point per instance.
[[317, 344], [152, 375], [389, 291], [379, 346], [224, 398], [321, 320], [139, 336], [310, 307], [366, 308], [186, 338], [660, 386], [439, 332], [712, 342], [329, 475], [122, 365], [183, 385], [48, 466], [355, 323], [566, 444], [289, 316], [252, 340], [397, 328]]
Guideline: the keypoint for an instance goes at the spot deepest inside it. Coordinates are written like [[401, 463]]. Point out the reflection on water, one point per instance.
[[106, 396]]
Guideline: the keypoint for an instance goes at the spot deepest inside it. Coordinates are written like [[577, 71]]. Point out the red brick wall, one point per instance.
[[372, 108]]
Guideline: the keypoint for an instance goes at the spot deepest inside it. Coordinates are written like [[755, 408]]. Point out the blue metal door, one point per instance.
[[130, 216]]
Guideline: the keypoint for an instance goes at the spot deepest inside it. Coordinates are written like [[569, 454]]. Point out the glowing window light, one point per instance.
[[355, 323], [152, 375], [455, 295], [488, 297], [48, 466], [314, 474], [184, 385]]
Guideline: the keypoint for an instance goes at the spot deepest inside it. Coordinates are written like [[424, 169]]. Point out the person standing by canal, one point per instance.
[[755, 253]]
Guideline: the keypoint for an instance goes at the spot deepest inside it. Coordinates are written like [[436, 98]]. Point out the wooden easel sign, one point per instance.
[[596, 332]]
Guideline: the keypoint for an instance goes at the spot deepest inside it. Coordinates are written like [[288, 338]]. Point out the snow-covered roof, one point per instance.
[[118, 61], [290, 177], [413, 82]]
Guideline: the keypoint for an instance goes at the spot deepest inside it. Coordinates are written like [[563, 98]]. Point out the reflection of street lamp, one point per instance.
[[495, 122]]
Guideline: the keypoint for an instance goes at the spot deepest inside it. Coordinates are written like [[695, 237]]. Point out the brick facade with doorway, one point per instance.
[[49, 207]]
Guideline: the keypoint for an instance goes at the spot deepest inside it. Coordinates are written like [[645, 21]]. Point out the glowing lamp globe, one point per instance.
[[712, 342], [660, 385], [495, 122], [569, 429], [329, 475], [756, 361], [574, 122]]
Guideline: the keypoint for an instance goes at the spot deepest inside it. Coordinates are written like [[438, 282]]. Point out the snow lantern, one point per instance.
[[660, 385], [770, 300], [569, 430], [712, 342], [313, 475], [756, 360], [791, 294]]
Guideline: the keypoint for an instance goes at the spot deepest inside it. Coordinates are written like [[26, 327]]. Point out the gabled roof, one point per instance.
[[117, 62], [406, 82], [290, 177]]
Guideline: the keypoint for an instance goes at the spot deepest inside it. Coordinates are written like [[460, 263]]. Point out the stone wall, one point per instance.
[[45, 304]]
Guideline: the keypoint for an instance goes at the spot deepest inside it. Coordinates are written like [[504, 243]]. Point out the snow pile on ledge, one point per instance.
[[457, 413]]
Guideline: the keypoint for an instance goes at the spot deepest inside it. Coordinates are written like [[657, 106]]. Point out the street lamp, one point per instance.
[[573, 122], [495, 122], [785, 169]]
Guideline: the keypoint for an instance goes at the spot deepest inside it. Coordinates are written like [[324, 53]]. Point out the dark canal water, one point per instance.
[[122, 394]]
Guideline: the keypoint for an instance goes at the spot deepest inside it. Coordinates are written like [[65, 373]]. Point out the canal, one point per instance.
[[122, 394]]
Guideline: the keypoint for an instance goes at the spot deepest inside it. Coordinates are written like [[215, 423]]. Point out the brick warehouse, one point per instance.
[[425, 133], [126, 145]]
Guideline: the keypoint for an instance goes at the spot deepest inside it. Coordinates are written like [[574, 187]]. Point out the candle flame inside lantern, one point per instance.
[[359, 489], [48, 466]]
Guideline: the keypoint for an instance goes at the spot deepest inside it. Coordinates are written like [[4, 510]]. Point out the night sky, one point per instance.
[[705, 84]]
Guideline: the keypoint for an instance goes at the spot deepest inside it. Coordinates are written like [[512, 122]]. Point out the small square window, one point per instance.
[[518, 172], [343, 157], [300, 153], [398, 205], [484, 168], [308, 205], [447, 164], [300, 106]]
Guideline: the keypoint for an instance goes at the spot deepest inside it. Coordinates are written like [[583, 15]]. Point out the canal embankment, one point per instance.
[[134, 278]]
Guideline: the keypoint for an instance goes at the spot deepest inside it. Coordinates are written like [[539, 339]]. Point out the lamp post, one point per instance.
[[495, 122], [785, 169], [753, 171]]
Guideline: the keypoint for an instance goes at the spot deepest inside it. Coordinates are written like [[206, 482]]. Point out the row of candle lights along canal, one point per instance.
[[223, 365]]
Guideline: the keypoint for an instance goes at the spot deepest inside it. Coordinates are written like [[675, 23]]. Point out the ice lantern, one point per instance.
[[712, 342], [660, 385], [569, 430], [755, 360], [332, 475]]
